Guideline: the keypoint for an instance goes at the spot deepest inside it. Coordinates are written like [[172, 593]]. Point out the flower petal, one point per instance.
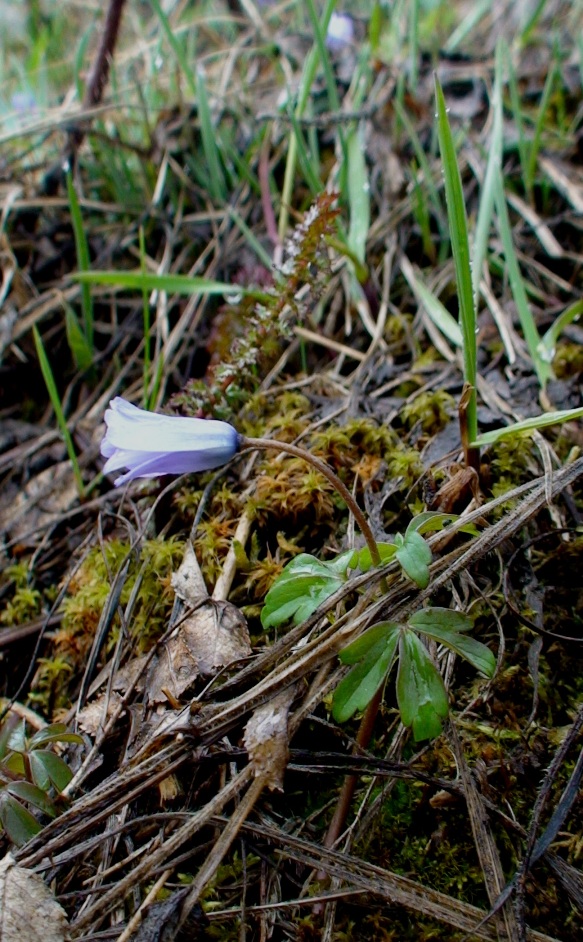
[[177, 444]]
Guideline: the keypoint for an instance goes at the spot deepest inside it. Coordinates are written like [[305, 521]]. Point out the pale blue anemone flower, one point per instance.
[[340, 31], [148, 444]]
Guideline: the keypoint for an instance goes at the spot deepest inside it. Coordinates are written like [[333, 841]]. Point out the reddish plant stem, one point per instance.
[[370, 714]]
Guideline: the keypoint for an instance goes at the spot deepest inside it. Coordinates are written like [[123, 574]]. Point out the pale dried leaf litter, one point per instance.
[[267, 741], [28, 909]]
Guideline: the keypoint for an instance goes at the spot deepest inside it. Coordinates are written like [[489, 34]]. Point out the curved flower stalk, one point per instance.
[[148, 444]]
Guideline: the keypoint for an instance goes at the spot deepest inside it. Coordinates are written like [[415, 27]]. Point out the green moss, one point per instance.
[[91, 586], [432, 409]]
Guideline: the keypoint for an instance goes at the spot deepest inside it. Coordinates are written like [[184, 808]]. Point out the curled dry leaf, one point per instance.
[[28, 910], [266, 739], [213, 636], [216, 635], [188, 581]]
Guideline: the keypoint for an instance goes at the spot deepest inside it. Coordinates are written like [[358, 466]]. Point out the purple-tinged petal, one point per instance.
[[177, 445], [340, 31]]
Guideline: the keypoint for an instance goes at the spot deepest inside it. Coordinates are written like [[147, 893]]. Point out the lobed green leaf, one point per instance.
[[414, 555], [304, 584], [355, 651], [421, 693], [356, 690], [19, 824]]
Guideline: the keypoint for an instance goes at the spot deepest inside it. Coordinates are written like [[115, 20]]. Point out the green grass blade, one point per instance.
[[438, 313], [358, 195], [517, 115], [538, 130], [529, 425], [422, 160], [458, 226], [174, 284], [320, 41], [175, 46], [82, 352], [146, 323], [217, 185], [56, 403], [82, 250], [253, 242], [486, 209], [546, 347], [531, 335], [308, 76]]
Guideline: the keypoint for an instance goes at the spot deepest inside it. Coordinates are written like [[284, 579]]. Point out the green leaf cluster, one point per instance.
[[30, 774], [302, 587], [421, 695], [306, 582]]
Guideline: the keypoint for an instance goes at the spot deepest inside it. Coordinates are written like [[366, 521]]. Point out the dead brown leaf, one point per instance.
[[28, 910], [266, 739]]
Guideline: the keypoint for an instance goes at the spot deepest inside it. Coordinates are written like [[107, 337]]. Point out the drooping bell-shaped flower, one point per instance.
[[148, 444]]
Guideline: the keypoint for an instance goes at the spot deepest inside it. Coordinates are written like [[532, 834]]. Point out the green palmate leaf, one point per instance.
[[435, 624], [414, 555], [14, 763], [48, 769], [56, 732], [34, 795], [443, 618], [421, 693], [361, 559], [6, 731], [302, 587], [354, 652], [359, 686], [17, 738], [19, 824]]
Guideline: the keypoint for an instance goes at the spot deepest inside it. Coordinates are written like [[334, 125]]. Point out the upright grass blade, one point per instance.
[[422, 160], [414, 44], [486, 209], [542, 367], [320, 41], [197, 88], [308, 76], [56, 403], [146, 322], [517, 114], [458, 227], [538, 130], [217, 185], [358, 195], [175, 46], [82, 250]]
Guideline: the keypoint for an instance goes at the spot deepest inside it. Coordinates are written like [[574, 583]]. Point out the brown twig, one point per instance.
[[93, 93]]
